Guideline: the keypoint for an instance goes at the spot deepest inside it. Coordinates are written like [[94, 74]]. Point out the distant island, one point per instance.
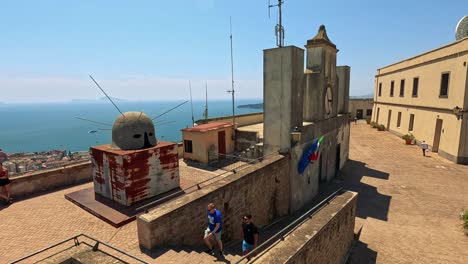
[[251, 106]]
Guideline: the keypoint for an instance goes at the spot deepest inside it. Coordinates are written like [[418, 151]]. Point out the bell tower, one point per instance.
[[320, 94]]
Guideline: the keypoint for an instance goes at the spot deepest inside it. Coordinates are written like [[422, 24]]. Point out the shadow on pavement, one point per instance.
[[361, 253], [370, 202]]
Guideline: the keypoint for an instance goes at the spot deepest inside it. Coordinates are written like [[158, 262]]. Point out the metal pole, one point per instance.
[[191, 103], [281, 37], [206, 100], [232, 77]]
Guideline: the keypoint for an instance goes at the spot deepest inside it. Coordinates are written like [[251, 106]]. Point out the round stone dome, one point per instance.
[[132, 131]]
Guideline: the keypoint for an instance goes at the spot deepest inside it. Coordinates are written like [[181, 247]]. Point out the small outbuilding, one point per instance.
[[203, 143]]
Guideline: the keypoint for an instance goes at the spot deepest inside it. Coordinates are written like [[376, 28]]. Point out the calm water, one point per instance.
[[36, 127]]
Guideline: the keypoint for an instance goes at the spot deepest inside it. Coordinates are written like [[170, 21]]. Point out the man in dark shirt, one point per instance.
[[250, 235]]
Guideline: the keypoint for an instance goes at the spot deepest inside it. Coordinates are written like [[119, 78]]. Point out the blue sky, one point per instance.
[[148, 50]]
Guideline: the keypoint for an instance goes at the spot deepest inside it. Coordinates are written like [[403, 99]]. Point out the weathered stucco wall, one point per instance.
[[129, 176], [261, 189], [325, 238], [51, 179], [424, 124]]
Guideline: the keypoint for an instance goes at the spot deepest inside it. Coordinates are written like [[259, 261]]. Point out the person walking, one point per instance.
[[215, 225], [5, 184], [250, 235], [424, 147]]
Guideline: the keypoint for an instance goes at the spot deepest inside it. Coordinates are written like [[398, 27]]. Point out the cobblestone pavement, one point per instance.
[[408, 204]]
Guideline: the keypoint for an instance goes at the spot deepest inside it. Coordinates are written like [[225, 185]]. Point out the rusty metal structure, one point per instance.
[[135, 166]]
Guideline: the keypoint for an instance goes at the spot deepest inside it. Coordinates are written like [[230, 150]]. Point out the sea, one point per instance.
[[42, 127]]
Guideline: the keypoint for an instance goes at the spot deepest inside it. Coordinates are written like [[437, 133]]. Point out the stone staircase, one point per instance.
[[186, 255]]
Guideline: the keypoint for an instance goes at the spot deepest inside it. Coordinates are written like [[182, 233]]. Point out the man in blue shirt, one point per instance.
[[215, 225]]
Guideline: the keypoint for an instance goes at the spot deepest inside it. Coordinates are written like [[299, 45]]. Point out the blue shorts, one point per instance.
[[246, 246]]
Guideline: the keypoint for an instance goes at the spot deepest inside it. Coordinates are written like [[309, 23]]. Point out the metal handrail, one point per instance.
[[146, 207], [311, 212], [77, 242]]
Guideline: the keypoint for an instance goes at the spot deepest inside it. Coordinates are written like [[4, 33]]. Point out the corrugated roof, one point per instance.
[[208, 127]]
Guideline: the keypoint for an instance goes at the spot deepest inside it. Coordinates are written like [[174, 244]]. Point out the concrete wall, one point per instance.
[[343, 73], [246, 139], [241, 120], [283, 70], [362, 104], [261, 189], [51, 179], [325, 238]]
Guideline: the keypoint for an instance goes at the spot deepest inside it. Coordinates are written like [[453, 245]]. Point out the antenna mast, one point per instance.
[[108, 97], [205, 113], [191, 103], [279, 29], [232, 77]]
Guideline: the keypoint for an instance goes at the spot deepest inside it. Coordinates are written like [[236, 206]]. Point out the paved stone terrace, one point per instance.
[[408, 205]]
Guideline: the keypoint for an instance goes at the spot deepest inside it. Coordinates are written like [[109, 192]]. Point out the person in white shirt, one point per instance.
[[424, 147]]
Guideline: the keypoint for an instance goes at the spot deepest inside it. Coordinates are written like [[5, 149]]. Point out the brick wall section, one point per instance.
[[262, 189], [51, 179], [326, 238]]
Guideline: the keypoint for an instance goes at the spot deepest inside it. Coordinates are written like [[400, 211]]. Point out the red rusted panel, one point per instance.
[[128, 176]]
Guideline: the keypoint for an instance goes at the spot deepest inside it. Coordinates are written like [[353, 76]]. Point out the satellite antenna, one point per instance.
[[279, 29], [205, 113], [462, 28], [232, 77], [191, 102]]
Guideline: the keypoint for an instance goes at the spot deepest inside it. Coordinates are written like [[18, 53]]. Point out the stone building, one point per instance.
[[360, 108], [301, 105], [427, 95]]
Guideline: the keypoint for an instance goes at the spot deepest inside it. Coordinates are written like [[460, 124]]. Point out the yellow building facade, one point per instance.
[[427, 96]]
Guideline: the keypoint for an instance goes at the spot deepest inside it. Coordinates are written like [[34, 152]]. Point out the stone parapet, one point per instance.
[[325, 238], [51, 179], [261, 189]]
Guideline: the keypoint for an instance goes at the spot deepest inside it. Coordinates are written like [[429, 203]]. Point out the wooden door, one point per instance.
[[438, 131], [222, 142], [389, 119]]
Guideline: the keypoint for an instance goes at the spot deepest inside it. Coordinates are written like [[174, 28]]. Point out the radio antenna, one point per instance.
[[191, 102], [106, 95], [92, 121], [169, 110], [232, 76], [279, 29]]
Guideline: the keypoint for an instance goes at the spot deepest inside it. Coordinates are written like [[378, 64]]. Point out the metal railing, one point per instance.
[[282, 233], [234, 170], [231, 162], [77, 243]]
